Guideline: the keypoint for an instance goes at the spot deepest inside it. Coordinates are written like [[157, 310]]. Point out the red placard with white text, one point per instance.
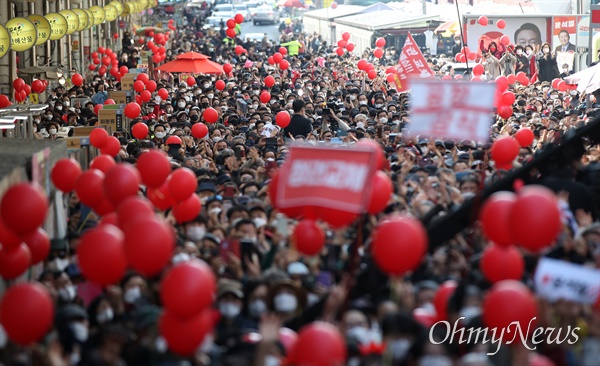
[[338, 178], [456, 110], [411, 62]]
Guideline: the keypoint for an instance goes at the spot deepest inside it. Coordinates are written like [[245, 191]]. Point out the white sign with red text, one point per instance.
[[556, 279], [454, 110]]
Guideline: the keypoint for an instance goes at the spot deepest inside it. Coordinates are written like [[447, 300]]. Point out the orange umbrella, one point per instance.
[[192, 62]]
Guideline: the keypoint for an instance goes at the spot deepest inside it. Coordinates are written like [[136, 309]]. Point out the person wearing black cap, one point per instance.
[[299, 124]]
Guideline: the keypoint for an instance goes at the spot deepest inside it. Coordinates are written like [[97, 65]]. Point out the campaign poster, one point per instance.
[[564, 33], [521, 31]]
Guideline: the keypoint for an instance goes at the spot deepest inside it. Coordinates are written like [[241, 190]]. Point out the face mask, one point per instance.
[[457, 41], [180, 257], [256, 92], [59, 107], [52, 131], [204, 105], [285, 303], [383, 120], [66, 103], [67, 293], [399, 348], [132, 295], [362, 102], [206, 86], [519, 52], [553, 96], [528, 52], [353, 97], [216, 139], [546, 50], [468, 195], [181, 105], [360, 334], [435, 360], [210, 96], [105, 316], [160, 345], [229, 310], [224, 108], [194, 118], [160, 135], [271, 360], [424, 150], [378, 105], [187, 98], [80, 331], [195, 233], [257, 308], [312, 299]]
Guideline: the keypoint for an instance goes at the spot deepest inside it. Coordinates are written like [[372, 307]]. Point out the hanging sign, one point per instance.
[[83, 19], [23, 34], [118, 6], [58, 24], [4, 41], [72, 20], [111, 13], [43, 28], [98, 13], [90, 17]]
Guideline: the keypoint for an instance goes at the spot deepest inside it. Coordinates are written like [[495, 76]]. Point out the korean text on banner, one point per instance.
[[556, 279], [453, 110], [324, 177], [411, 62]]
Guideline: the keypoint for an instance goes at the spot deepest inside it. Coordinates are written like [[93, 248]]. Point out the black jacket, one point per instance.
[[299, 126]]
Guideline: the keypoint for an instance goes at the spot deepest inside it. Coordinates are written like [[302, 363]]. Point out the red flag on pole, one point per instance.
[[411, 62]]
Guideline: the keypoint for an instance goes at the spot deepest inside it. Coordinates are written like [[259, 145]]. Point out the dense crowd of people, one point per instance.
[[332, 103]]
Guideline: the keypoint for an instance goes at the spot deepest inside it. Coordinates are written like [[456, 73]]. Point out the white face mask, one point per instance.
[[206, 86], [271, 360], [195, 233], [312, 299], [105, 316], [399, 348], [224, 108], [257, 308], [546, 50], [528, 52], [360, 334], [229, 310], [285, 303], [67, 293], [210, 96], [353, 97], [519, 52], [553, 96], [383, 120], [378, 105], [52, 131], [67, 103], [132, 295], [181, 105], [180, 257], [457, 41], [59, 107], [424, 150], [160, 135], [362, 102], [256, 92], [259, 222], [216, 139], [160, 345], [254, 106], [80, 331]]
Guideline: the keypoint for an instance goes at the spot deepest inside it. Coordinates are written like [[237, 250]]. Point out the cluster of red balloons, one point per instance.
[[391, 74], [484, 21], [159, 53], [159, 38], [171, 24], [367, 67], [145, 87], [504, 218], [4, 101], [380, 43], [239, 50], [22, 90], [277, 59], [231, 24], [561, 85], [344, 44], [24, 243], [39, 86]]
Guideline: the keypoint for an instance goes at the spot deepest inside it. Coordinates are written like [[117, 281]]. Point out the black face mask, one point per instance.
[[194, 118], [205, 105], [521, 103]]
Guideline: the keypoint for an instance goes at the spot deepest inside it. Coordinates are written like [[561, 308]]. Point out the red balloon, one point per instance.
[[391, 78], [184, 336], [505, 111], [372, 74], [341, 44], [199, 130], [495, 217], [133, 110], [512, 79], [38, 86], [555, 82], [508, 98], [123, 70], [522, 78], [561, 86], [160, 197], [77, 79], [139, 86], [501, 24], [4, 101], [381, 191], [287, 338], [478, 70], [380, 42], [269, 81], [97, 109], [239, 18], [537, 232], [335, 218], [475, 79], [109, 102], [507, 302], [472, 56], [190, 81], [102, 163], [277, 57], [378, 53], [283, 119], [23, 208], [8, 239], [65, 173], [271, 60], [483, 20], [149, 244], [154, 168], [283, 50], [20, 96], [26, 303], [27, 89], [309, 239], [230, 23], [239, 50], [88, 185], [441, 298], [112, 146], [38, 244], [220, 85], [502, 263], [461, 57], [188, 288], [230, 32], [133, 209], [284, 65], [143, 77], [505, 40], [18, 84], [362, 64], [265, 97], [339, 51], [504, 151], [524, 137], [399, 244], [96, 61], [101, 255], [140, 129], [346, 36], [182, 184], [121, 181], [319, 344], [373, 145], [188, 209], [227, 68], [350, 47], [163, 93], [146, 96], [14, 261], [210, 115]]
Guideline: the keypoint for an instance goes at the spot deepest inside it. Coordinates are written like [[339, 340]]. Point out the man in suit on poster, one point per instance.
[[565, 45]]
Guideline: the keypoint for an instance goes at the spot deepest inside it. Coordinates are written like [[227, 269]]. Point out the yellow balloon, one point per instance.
[[83, 19], [23, 34], [4, 41], [98, 13], [72, 20], [44, 30], [58, 23]]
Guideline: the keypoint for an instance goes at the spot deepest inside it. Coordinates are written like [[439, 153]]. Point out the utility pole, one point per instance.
[[424, 4]]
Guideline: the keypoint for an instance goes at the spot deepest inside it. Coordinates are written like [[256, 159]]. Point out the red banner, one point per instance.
[[411, 62], [338, 178]]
